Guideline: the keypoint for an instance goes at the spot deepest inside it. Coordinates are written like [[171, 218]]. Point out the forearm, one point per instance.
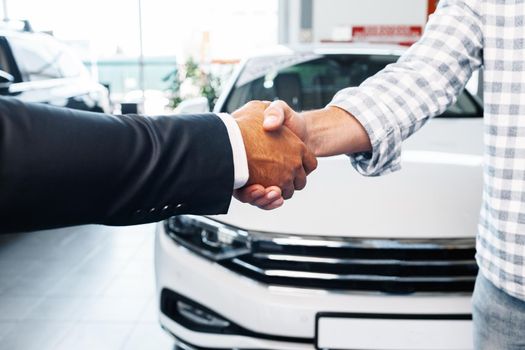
[[400, 99], [332, 131]]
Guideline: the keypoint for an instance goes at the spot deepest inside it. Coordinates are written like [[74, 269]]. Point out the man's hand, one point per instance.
[[276, 158], [279, 113]]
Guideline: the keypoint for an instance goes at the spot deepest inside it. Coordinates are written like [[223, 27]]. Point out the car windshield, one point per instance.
[[310, 81]]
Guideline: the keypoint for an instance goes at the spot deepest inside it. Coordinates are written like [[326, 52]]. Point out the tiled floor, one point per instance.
[[89, 287]]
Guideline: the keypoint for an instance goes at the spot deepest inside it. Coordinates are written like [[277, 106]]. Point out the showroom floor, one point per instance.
[[89, 287]]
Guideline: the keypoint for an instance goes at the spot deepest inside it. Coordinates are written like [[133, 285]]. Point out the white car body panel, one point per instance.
[[437, 194]]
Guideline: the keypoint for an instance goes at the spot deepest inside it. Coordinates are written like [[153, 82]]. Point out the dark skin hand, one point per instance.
[[278, 160]]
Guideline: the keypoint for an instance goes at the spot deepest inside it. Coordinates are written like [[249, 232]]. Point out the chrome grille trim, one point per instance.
[[352, 242], [313, 259], [367, 265], [327, 276]]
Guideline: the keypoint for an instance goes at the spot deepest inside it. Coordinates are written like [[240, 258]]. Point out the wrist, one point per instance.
[[332, 131], [310, 136], [317, 126]]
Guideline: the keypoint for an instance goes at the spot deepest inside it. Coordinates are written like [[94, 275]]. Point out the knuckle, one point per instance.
[[280, 103]]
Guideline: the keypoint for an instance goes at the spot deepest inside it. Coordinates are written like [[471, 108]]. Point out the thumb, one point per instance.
[[276, 115]]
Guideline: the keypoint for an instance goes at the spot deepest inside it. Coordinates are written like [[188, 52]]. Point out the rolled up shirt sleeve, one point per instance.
[[398, 100]]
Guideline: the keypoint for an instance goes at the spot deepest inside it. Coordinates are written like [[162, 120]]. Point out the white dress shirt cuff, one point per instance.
[[240, 162]]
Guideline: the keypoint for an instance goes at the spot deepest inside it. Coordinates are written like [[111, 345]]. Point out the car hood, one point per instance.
[[437, 194]]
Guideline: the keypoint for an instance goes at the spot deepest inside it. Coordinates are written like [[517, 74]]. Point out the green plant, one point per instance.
[[211, 89], [207, 83], [174, 87]]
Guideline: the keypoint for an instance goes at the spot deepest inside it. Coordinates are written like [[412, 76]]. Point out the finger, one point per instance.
[[268, 198], [275, 204], [275, 115], [300, 180], [250, 193], [288, 191], [309, 162], [276, 189]]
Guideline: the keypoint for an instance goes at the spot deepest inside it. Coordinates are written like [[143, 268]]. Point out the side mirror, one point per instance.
[[193, 106], [6, 80]]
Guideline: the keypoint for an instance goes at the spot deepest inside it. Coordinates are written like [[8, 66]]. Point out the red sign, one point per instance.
[[432, 5], [387, 34]]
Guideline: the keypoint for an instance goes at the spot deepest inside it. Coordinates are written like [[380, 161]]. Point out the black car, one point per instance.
[[35, 67]]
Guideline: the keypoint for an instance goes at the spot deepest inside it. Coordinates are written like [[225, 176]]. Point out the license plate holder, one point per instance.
[[345, 331]]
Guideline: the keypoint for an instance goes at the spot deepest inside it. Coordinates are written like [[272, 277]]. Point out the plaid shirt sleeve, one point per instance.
[[397, 101]]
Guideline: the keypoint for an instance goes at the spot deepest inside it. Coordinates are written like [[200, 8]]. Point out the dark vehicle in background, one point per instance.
[[35, 67]]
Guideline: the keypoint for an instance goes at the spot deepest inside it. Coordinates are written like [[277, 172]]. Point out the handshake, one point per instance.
[[279, 157]]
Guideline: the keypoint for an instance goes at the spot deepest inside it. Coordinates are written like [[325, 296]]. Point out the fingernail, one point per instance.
[[270, 120], [272, 195]]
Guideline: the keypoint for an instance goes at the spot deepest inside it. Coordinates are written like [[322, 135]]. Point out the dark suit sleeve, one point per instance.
[[61, 167]]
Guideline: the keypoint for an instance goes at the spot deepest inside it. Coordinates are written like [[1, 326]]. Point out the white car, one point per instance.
[[351, 262]]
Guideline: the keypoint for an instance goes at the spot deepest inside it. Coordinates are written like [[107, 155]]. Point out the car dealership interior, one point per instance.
[[270, 175]]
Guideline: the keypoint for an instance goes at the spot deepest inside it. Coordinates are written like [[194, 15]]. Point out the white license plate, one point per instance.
[[399, 332]]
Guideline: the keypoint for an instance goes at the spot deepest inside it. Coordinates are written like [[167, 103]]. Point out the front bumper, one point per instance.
[[288, 315]]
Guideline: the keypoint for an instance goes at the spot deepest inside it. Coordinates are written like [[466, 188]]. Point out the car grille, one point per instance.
[[380, 265]]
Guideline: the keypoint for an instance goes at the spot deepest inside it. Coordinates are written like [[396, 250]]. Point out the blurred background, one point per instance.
[[134, 46], [143, 51]]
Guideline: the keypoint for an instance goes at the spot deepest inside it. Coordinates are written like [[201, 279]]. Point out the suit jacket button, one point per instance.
[[166, 207], [152, 210], [138, 211]]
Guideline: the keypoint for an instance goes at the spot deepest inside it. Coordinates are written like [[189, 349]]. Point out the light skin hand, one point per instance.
[[326, 132], [264, 198], [276, 158]]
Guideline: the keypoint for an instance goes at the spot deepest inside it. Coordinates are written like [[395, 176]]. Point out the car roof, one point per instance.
[[332, 49]]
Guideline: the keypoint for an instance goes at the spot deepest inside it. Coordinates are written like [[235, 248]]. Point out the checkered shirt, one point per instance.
[[460, 36]]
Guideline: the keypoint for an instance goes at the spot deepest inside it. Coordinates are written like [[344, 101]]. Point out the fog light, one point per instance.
[[200, 317]]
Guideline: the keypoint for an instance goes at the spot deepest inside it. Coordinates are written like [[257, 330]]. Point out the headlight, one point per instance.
[[208, 238]]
